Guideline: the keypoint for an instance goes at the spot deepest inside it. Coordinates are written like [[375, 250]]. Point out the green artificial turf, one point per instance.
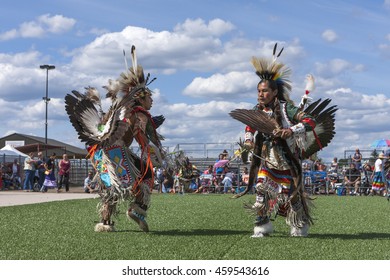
[[194, 227]]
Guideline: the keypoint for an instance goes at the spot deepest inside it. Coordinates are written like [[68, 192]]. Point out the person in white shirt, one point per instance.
[[29, 171], [89, 185]]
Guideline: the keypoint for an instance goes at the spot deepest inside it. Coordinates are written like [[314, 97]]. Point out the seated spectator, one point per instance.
[[209, 170], [176, 181], [225, 154], [89, 185], [317, 164], [167, 182], [205, 180], [333, 181], [245, 176], [367, 180], [334, 166], [227, 181], [321, 167], [306, 166], [352, 180], [5, 177], [218, 171]]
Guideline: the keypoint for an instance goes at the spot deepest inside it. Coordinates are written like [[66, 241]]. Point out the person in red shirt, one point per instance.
[[64, 167]]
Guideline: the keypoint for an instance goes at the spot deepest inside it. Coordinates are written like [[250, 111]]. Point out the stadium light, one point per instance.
[[46, 99]]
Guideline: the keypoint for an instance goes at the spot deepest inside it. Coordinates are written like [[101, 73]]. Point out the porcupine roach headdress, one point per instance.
[[132, 79], [271, 70]]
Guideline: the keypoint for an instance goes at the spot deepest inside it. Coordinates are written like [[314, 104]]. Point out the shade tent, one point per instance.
[[8, 154], [8, 150]]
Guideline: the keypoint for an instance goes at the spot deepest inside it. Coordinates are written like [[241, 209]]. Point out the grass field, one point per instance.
[[195, 227]]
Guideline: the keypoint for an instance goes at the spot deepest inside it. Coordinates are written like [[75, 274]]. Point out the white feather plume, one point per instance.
[[310, 86]]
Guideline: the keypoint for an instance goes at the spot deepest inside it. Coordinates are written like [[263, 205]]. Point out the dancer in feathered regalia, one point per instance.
[[121, 174], [286, 134], [188, 173]]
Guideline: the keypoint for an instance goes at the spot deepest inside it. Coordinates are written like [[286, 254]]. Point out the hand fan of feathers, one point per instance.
[[324, 117], [258, 120], [86, 118]]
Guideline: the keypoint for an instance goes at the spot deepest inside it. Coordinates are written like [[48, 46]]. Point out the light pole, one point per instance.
[[46, 99]]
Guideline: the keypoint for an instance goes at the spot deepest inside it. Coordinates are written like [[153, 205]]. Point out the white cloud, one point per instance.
[[329, 35], [376, 101], [97, 31], [205, 122], [23, 59], [9, 35], [56, 24], [336, 67], [20, 75], [220, 85], [360, 111], [31, 29], [44, 24], [172, 51], [339, 90], [198, 28]]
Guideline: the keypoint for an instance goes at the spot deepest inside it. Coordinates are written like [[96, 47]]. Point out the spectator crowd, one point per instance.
[[359, 177]]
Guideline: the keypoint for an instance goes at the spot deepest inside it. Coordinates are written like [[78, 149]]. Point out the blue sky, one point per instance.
[[200, 52]]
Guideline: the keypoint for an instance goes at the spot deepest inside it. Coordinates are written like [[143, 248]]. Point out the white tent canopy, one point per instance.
[[8, 150]]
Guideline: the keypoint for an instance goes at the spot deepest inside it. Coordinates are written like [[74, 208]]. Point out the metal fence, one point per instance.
[[206, 150]]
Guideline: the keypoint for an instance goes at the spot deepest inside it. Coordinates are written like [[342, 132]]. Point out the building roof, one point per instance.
[[36, 143]]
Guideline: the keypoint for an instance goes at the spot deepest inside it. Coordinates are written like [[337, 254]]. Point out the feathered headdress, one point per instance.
[[271, 70], [132, 80]]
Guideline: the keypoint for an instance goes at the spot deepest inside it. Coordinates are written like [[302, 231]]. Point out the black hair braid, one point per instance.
[[278, 114]]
